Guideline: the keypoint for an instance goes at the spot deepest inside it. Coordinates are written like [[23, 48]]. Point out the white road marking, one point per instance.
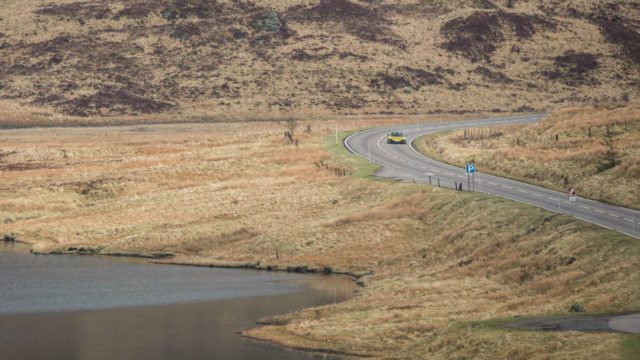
[[614, 215], [428, 174], [506, 187], [585, 207], [550, 198], [598, 211], [628, 219], [536, 194], [489, 182], [522, 191]]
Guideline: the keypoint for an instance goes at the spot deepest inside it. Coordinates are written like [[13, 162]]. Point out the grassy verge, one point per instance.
[[630, 347], [360, 168]]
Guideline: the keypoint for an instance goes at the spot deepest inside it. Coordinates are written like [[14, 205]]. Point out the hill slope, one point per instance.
[[276, 58]]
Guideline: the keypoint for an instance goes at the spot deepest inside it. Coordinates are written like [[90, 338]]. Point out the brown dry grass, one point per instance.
[[233, 194], [532, 153]]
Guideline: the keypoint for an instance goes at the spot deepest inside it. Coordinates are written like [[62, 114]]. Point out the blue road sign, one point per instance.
[[471, 168]]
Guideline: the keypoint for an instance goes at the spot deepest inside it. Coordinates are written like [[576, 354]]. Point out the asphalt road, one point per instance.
[[404, 163]]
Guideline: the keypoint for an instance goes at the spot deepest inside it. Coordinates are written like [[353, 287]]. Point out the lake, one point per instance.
[[90, 307]]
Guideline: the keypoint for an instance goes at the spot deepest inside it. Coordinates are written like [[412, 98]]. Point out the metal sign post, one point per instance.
[[471, 170]]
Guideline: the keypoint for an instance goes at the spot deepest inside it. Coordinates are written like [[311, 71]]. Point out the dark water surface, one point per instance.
[[78, 307]]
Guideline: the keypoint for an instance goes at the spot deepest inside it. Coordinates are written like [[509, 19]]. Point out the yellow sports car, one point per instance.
[[396, 137]]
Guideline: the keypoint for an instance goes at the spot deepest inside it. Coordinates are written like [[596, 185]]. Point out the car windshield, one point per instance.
[[395, 133]]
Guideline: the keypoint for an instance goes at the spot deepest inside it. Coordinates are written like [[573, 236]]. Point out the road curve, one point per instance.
[[405, 163]]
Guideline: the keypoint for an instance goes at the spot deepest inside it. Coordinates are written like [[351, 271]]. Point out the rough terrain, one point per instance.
[[235, 59]]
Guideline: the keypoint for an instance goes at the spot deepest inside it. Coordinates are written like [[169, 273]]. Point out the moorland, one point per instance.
[[203, 132]]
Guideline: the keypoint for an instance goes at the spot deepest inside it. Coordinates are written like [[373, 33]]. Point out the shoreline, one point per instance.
[[306, 349], [153, 259], [157, 258]]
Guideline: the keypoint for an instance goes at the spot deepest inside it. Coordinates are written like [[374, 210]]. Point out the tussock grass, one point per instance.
[[238, 194], [575, 159]]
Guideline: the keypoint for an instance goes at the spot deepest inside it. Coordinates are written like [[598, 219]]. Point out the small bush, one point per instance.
[[270, 22]]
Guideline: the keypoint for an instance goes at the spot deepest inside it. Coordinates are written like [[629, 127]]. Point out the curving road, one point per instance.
[[404, 163]]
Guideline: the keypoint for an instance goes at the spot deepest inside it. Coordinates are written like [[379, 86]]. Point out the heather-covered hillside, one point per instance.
[[309, 57]]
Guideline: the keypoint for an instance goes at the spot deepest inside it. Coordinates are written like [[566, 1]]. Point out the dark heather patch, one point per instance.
[[173, 9], [335, 10], [492, 76], [357, 20], [622, 35], [347, 54], [405, 77], [117, 101], [301, 55], [81, 9], [573, 68], [383, 81], [484, 4], [477, 36], [185, 31], [439, 69], [580, 63]]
